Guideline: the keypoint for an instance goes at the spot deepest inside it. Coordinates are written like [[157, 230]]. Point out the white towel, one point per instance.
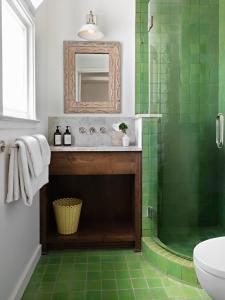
[[34, 158], [13, 178], [21, 183], [45, 149]]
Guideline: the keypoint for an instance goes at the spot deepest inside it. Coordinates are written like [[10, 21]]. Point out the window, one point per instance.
[[18, 87]]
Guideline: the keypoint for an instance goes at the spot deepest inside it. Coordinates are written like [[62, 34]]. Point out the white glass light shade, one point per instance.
[[90, 32], [36, 3]]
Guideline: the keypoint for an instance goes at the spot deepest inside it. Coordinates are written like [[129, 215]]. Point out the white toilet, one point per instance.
[[209, 261]]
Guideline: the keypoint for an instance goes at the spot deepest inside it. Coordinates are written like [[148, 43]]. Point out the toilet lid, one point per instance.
[[210, 256]]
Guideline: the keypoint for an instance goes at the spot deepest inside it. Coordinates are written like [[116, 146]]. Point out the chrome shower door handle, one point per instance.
[[219, 130]]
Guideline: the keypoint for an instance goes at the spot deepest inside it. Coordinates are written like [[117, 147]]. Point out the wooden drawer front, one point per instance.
[[90, 163]]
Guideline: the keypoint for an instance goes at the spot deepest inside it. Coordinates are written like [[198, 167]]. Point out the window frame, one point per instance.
[[26, 17]]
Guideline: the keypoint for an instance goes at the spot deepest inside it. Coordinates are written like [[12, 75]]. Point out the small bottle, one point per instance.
[[67, 138], [57, 137]]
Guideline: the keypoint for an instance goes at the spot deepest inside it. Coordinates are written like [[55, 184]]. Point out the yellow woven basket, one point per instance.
[[67, 214]]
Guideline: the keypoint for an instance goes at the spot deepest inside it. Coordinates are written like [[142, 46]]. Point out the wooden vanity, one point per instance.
[[109, 183]]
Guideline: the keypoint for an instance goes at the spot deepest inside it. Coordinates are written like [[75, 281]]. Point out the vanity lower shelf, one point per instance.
[[95, 235], [109, 185]]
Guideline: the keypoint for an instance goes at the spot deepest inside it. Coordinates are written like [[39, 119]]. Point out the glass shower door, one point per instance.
[[184, 87]]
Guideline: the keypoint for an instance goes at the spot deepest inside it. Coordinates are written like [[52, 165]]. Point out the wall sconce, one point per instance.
[[90, 30]]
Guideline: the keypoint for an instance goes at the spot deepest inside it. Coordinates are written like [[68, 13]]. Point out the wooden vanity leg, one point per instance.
[[137, 203], [43, 218]]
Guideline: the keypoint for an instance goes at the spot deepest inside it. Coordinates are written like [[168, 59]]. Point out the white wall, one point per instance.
[[56, 20], [19, 225], [115, 18]]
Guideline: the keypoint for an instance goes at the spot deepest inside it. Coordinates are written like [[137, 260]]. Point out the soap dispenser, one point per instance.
[[67, 138], [58, 137]]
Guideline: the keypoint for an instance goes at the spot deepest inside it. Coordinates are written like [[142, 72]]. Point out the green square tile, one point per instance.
[[60, 296], [174, 269], [189, 275], [136, 274], [93, 295], [37, 277], [46, 287], [139, 283], [120, 266], [107, 266], [107, 258], [94, 285], [61, 287], [167, 282], [155, 282], [64, 277], [52, 269], [77, 285], [149, 273], [126, 295], [174, 291], [122, 274], [80, 267], [110, 295], [158, 293], [80, 259], [108, 274], [131, 258], [40, 269], [33, 286], [53, 261], [162, 263], [142, 294], [93, 259], [66, 268], [78, 275], [67, 259], [134, 265], [49, 277], [124, 284], [93, 267], [55, 253], [28, 296], [77, 295], [43, 296], [119, 258], [93, 275], [190, 292], [109, 284]]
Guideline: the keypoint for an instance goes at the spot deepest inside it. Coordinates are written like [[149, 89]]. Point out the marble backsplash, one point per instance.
[[90, 131]]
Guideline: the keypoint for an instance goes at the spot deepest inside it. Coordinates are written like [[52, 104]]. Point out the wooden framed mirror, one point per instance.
[[91, 77]]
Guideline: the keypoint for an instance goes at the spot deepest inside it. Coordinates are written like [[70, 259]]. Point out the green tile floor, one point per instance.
[[103, 275]]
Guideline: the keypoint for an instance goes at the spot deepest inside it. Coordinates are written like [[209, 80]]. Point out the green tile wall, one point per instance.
[[149, 176], [186, 48], [141, 56], [150, 126]]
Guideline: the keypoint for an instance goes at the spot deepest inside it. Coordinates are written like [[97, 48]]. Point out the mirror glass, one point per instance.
[[92, 77]]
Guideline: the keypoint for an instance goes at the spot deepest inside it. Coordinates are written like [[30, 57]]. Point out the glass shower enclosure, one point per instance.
[[186, 87]]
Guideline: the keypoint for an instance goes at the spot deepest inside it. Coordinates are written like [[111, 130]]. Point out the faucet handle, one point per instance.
[[103, 130], [92, 130], [82, 130]]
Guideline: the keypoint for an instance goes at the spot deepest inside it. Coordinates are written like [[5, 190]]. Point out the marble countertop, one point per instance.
[[95, 149]]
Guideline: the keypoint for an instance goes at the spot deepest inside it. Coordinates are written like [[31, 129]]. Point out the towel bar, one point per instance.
[[3, 146]]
